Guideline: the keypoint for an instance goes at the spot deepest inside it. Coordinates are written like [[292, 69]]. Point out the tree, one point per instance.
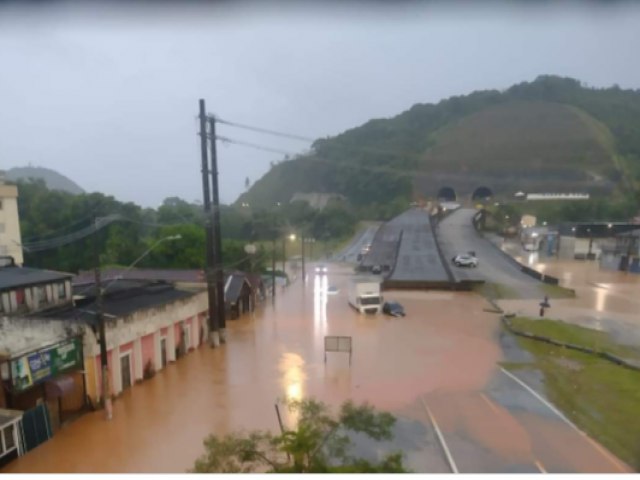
[[320, 443]]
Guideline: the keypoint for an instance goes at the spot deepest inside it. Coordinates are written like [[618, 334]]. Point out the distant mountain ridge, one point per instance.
[[54, 180], [550, 134]]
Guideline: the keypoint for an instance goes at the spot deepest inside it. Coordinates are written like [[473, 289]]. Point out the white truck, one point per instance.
[[364, 295]]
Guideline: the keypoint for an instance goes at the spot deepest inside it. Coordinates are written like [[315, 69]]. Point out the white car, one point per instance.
[[465, 260]]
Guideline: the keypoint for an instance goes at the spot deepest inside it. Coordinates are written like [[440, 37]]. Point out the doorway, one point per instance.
[[187, 338], [163, 352], [125, 370]]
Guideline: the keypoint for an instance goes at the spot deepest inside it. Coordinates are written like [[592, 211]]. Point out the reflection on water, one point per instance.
[[601, 299], [293, 378], [320, 295]]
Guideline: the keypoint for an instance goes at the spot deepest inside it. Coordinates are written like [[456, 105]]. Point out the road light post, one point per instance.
[[284, 254], [104, 364], [250, 249], [273, 270]]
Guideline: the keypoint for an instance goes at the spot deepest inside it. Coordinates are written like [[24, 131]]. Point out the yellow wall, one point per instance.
[[10, 239], [92, 380]]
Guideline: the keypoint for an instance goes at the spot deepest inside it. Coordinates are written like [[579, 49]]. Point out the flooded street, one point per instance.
[[605, 300], [442, 356]]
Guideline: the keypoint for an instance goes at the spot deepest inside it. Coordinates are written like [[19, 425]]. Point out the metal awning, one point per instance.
[[59, 386]]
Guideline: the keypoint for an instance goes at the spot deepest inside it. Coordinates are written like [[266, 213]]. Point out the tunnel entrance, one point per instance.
[[447, 194], [482, 193]]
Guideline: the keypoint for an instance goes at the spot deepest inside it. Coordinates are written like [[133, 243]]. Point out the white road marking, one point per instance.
[[452, 463], [598, 447], [539, 397]]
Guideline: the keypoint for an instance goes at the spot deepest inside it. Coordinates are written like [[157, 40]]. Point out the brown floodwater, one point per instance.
[[446, 347]]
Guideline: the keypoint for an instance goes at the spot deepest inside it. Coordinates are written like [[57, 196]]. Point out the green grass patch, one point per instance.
[[556, 291], [495, 291], [575, 334], [602, 398]]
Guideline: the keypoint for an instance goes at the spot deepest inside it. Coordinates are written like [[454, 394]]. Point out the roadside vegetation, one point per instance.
[[600, 397], [47, 215], [319, 443]]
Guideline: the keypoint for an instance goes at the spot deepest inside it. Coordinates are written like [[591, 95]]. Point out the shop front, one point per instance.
[[52, 375]]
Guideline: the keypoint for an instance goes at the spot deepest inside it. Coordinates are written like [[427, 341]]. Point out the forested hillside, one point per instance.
[[57, 230], [554, 126]]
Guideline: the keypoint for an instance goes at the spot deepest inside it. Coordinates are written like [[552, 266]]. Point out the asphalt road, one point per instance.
[[418, 259], [457, 235], [350, 252]]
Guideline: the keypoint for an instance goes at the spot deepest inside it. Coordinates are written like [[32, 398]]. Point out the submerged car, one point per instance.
[[394, 309], [465, 260]]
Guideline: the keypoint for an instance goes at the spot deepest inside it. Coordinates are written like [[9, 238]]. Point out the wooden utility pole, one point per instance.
[[214, 336], [273, 270], [303, 270], [104, 364], [284, 254], [217, 233]]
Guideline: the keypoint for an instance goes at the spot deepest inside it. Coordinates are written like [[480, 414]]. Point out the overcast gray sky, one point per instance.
[[108, 96]]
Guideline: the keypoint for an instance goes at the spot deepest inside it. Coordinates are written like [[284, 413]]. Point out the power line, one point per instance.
[[88, 216], [252, 145], [57, 242], [373, 150], [61, 241], [266, 131], [318, 158]]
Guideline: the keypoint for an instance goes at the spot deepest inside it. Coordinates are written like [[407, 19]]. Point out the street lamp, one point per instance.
[[250, 249], [106, 391], [139, 259]]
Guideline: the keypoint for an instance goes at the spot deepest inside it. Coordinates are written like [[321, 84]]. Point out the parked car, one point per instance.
[[465, 260], [332, 290], [394, 309], [376, 270]]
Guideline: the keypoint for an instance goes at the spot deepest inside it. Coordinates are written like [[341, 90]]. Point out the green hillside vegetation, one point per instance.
[[524, 138], [47, 216], [52, 179], [570, 131]]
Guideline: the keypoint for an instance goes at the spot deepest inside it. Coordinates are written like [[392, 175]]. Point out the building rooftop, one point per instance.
[[167, 275], [233, 286], [13, 277], [125, 298]]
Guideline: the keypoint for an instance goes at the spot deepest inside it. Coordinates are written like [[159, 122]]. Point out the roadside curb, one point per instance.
[[505, 318]]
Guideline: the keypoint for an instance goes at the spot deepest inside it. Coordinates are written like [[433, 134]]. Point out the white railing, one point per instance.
[[557, 196]]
